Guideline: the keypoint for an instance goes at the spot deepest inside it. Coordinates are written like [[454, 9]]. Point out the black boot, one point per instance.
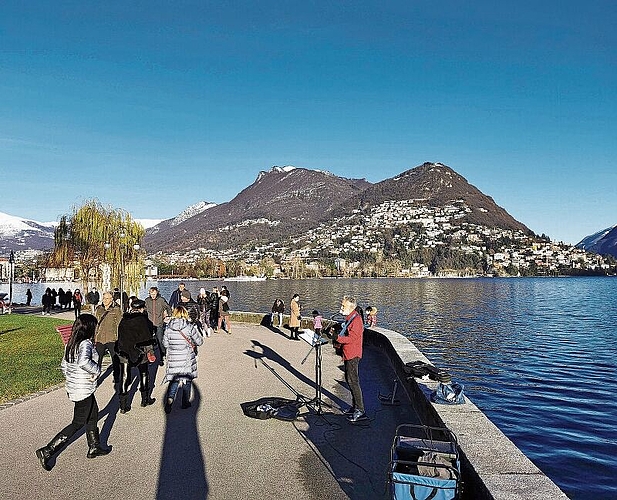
[[94, 445], [125, 407], [145, 392], [145, 399], [46, 452]]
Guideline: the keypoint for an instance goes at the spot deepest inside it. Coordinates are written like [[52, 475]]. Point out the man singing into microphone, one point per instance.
[[350, 340]]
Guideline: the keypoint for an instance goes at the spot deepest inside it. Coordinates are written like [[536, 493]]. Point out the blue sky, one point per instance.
[[152, 106]]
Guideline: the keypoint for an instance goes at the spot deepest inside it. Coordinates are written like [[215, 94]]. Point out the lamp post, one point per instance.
[[122, 235], [11, 273]]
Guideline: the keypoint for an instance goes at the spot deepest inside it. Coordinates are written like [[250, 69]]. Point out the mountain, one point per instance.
[[281, 202], [436, 184], [289, 201], [23, 234], [603, 242], [187, 213]]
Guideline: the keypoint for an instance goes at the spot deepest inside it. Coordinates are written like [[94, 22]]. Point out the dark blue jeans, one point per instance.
[[353, 380], [172, 390]]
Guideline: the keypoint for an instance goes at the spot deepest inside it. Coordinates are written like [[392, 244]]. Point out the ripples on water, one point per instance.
[[536, 355]]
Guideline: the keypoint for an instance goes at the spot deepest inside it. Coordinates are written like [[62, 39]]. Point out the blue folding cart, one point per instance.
[[424, 464]]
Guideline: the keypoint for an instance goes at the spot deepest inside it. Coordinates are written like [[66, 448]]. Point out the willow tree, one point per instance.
[[100, 241]]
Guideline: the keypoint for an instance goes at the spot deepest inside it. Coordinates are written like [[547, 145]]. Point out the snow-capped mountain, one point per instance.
[[17, 233], [287, 169], [191, 211], [187, 213], [603, 242]]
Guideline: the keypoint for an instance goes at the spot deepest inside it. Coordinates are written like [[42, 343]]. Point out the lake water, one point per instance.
[[537, 355]]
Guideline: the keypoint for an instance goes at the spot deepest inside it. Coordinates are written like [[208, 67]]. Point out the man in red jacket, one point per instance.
[[350, 340]]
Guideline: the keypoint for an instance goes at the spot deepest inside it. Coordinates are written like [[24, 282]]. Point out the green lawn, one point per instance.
[[30, 354]]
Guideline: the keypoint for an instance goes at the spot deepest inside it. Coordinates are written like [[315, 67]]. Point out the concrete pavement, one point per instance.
[[212, 450]]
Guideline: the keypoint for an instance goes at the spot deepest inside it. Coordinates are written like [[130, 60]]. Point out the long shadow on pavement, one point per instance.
[[181, 473], [272, 355], [356, 455]]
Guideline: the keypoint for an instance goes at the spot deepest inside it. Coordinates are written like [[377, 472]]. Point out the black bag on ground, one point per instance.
[[272, 407]]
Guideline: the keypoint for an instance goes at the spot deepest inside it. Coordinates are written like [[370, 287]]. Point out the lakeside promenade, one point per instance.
[[212, 450]]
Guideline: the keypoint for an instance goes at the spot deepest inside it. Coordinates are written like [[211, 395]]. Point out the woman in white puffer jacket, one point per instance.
[[179, 340], [80, 366]]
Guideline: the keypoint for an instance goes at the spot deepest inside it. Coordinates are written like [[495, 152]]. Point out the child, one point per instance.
[[371, 316], [317, 322]]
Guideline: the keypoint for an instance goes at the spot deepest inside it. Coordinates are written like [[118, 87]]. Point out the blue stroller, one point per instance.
[[424, 464]]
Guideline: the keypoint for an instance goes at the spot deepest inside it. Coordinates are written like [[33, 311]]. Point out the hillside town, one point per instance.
[[398, 239], [403, 238]]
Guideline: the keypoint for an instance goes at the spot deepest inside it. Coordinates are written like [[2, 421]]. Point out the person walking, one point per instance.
[[186, 301], [28, 297], [278, 308], [180, 339], [350, 340], [294, 317], [135, 348], [158, 312], [77, 300], [81, 369], [108, 315]]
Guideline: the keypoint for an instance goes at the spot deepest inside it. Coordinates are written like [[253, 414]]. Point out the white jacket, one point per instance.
[[81, 376]]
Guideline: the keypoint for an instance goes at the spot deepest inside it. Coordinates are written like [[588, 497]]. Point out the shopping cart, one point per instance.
[[424, 464]]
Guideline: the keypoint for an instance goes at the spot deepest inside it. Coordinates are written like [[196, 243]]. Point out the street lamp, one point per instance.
[[11, 273]]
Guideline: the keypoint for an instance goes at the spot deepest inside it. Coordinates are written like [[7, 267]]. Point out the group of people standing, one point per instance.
[[60, 298]]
